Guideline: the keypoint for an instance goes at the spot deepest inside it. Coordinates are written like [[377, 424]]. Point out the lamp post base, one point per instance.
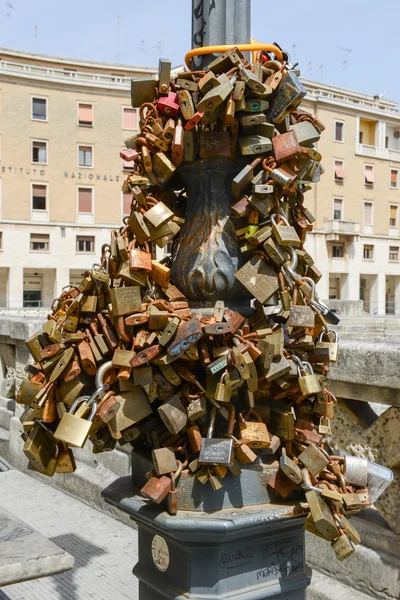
[[249, 554]]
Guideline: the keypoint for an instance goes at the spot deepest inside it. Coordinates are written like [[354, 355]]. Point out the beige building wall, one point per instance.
[[29, 276]]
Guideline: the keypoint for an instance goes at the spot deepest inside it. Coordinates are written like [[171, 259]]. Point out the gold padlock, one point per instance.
[[256, 433]]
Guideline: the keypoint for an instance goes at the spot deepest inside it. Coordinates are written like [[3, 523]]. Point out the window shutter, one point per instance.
[[84, 200], [130, 118], [85, 113], [339, 173], [39, 191], [368, 213], [369, 175]]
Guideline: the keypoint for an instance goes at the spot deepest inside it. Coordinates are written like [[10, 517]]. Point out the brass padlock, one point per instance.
[[125, 300], [259, 278], [256, 433], [332, 346], [173, 414], [39, 448], [158, 214], [290, 468], [74, 430], [300, 315], [139, 260], [286, 234], [342, 547], [222, 392], [308, 382], [313, 459]]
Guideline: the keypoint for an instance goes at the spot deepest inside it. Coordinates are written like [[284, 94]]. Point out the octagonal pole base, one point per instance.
[[249, 554]]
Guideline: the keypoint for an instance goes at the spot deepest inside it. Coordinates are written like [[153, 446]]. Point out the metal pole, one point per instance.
[[217, 22]]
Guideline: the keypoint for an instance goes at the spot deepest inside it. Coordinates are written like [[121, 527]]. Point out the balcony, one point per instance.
[[365, 150], [336, 228], [375, 152]]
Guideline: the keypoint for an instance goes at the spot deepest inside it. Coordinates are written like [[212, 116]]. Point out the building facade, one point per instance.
[[356, 204], [62, 124]]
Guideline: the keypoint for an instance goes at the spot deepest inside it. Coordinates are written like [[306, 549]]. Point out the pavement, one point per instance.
[[105, 550]]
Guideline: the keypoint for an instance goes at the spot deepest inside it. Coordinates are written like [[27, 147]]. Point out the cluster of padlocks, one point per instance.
[[124, 358]]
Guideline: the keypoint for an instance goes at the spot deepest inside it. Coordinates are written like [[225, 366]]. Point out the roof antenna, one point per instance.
[[345, 62]]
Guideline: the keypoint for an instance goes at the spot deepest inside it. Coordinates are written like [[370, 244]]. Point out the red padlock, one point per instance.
[[139, 260], [128, 154], [169, 104]]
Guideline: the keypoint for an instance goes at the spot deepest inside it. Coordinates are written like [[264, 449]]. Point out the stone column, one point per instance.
[[397, 296], [62, 279], [353, 285], [378, 295], [15, 286]]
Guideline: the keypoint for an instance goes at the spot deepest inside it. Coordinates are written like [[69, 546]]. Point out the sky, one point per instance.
[[312, 31]]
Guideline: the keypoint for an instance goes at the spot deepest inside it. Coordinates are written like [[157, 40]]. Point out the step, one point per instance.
[[326, 588], [368, 570]]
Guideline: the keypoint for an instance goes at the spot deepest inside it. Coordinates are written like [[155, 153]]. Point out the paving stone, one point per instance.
[[105, 550]]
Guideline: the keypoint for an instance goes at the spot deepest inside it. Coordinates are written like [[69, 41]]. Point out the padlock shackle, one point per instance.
[[251, 412], [211, 425], [281, 217], [325, 331], [231, 420], [78, 401], [223, 48], [311, 282], [100, 375]]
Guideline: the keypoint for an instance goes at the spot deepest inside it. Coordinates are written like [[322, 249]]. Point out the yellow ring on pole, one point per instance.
[[242, 48]]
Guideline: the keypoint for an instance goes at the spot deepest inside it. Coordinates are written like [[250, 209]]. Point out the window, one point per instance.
[[393, 216], [39, 109], [126, 203], [39, 197], [368, 218], [369, 174], [39, 152], [85, 243], [339, 131], [129, 118], [1, 240], [40, 242], [394, 253], [368, 253], [85, 200], [85, 114], [394, 178], [32, 298], [361, 137], [338, 251], [85, 156], [337, 209], [339, 171]]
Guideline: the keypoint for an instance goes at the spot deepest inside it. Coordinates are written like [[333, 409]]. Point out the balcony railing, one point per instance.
[[375, 152], [366, 150], [342, 227], [32, 71]]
